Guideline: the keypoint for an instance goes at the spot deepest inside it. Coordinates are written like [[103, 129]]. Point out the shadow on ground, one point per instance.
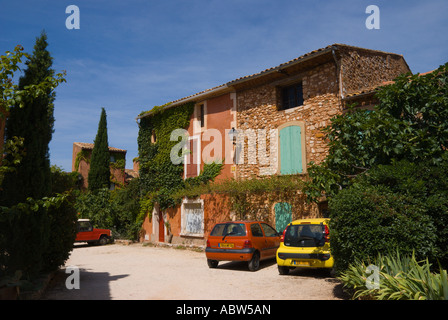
[[92, 286], [242, 265]]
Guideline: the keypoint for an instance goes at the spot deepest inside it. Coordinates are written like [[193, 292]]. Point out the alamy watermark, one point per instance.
[[373, 20], [373, 280], [72, 281], [258, 141], [73, 21]]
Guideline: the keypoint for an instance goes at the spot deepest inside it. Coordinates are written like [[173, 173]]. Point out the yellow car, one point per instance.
[[305, 244]]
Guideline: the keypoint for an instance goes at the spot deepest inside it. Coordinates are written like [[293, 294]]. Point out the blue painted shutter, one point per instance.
[[290, 150]]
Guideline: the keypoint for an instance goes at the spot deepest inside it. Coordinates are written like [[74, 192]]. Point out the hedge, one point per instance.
[[402, 206], [36, 236]]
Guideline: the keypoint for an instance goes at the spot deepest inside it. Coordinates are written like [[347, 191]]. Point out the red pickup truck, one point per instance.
[[87, 233]]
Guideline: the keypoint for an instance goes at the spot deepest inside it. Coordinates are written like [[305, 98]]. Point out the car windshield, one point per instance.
[[305, 235], [229, 229], [84, 226]]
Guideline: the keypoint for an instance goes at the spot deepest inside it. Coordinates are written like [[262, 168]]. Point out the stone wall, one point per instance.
[[258, 109], [366, 69]]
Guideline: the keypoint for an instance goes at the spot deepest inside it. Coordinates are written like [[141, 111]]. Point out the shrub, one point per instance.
[[62, 235], [425, 185], [401, 205], [36, 236], [117, 210], [24, 233], [98, 207], [400, 277], [127, 200], [369, 219]]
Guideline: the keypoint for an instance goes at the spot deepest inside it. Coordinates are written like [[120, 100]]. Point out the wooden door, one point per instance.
[[161, 228]]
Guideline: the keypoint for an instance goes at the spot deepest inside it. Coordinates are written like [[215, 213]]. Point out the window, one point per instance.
[[202, 115], [192, 218], [84, 226], [229, 230], [308, 235], [292, 96], [153, 136], [256, 230], [192, 160], [292, 151], [268, 230]]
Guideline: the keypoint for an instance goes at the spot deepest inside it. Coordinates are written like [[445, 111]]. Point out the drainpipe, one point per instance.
[[339, 73]]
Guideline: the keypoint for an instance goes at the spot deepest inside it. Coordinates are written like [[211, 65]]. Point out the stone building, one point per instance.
[[325, 80], [81, 163], [270, 124]]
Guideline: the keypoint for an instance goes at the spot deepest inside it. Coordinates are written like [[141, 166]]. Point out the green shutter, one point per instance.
[[283, 215], [290, 150]]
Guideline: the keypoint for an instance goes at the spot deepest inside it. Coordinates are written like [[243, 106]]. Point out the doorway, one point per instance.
[[161, 227], [283, 215]]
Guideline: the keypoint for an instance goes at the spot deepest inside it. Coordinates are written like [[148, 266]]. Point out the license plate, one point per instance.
[[300, 263], [226, 245]]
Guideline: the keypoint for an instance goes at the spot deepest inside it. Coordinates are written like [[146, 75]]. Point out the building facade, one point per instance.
[[81, 163], [269, 124]]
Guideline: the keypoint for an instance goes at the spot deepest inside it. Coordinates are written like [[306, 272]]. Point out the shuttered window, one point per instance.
[[192, 157], [291, 150], [192, 223]]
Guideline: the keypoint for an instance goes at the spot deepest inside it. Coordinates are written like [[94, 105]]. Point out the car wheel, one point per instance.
[[283, 270], [102, 241], [254, 263], [212, 263]]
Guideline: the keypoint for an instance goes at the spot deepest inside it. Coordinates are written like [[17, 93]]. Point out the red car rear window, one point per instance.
[[229, 229]]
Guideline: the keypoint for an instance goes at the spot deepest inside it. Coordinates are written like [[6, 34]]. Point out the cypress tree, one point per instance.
[[34, 122], [99, 173]]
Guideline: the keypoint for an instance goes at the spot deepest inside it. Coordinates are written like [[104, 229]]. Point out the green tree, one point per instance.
[[34, 123], [385, 172], [99, 173], [64, 181], [12, 96], [127, 200], [409, 123], [403, 205], [36, 234]]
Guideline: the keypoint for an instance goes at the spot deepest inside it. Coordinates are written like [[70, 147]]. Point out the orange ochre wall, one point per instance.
[[216, 209], [219, 115]]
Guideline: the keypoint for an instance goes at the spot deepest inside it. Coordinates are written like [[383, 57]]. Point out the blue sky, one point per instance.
[[129, 56]]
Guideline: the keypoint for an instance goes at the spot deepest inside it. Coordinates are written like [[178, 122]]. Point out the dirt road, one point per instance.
[[137, 272]]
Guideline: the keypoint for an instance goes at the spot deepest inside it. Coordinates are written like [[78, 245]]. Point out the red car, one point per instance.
[[87, 233], [250, 241]]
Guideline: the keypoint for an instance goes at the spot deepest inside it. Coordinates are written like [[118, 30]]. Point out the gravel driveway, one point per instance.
[[138, 272]]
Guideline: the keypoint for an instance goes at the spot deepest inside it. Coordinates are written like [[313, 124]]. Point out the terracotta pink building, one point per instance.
[[289, 104], [81, 163]]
